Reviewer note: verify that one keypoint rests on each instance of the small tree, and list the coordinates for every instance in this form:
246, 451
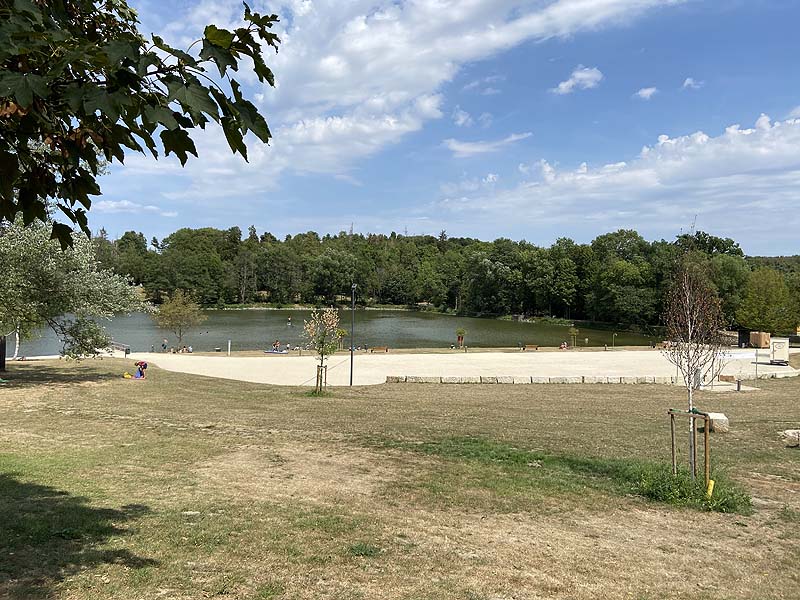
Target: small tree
322, 332
179, 313
573, 334
68, 291
694, 322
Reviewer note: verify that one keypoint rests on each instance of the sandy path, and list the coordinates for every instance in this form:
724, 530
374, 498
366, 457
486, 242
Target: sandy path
373, 369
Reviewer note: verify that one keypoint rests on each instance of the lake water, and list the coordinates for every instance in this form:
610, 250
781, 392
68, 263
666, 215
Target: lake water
258, 329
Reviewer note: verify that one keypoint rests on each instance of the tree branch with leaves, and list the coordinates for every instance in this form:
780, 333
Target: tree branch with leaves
79, 83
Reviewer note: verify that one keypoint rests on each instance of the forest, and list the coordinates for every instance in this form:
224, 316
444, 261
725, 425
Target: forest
618, 278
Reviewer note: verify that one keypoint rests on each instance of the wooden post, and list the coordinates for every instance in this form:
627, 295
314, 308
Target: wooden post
694, 446
2, 353
672, 434
707, 450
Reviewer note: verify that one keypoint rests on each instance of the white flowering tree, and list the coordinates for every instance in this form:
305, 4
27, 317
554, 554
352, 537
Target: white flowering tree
323, 334
66, 290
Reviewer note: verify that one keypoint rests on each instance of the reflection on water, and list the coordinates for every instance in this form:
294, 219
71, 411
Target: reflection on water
259, 329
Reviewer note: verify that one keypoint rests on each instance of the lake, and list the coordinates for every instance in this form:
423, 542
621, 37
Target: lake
258, 329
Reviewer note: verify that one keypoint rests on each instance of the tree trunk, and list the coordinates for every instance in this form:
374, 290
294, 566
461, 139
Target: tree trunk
16, 343
691, 431
2, 353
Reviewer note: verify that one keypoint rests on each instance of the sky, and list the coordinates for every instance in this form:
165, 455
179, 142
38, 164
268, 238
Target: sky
494, 118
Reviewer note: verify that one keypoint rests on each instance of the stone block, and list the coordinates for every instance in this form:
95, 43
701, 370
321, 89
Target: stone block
628, 379
420, 379
522, 380
566, 380
662, 380
594, 379
719, 423
395, 379
485, 379
451, 379
505, 379
791, 436
470, 380
540, 379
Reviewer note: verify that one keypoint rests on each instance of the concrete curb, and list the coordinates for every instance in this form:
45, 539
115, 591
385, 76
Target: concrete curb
560, 380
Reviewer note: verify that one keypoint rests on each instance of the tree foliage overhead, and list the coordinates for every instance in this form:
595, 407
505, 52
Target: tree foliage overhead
79, 83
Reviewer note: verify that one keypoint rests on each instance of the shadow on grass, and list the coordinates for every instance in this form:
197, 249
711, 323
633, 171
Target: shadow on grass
22, 374
47, 535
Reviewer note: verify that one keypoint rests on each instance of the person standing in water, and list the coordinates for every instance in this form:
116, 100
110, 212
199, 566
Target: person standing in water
289, 321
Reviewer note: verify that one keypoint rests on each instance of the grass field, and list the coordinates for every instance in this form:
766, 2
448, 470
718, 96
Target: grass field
189, 487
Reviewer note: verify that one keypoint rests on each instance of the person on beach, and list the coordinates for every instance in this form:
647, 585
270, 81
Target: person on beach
141, 368
164, 345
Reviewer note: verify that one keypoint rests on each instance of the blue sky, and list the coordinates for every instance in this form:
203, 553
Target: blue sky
496, 118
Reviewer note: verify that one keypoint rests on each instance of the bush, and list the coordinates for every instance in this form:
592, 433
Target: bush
659, 484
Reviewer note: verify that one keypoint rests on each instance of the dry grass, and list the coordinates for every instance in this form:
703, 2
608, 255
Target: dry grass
188, 487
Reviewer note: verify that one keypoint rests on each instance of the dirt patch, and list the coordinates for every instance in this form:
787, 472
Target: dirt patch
315, 473
624, 553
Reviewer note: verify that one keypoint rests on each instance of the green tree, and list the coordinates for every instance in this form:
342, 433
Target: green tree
178, 314
65, 290
730, 274
79, 82
767, 305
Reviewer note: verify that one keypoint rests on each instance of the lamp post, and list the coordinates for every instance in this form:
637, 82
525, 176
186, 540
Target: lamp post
613, 340
352, 328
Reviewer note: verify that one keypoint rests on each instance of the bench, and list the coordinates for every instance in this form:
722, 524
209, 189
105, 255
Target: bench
530, 347
728, 378
379, 349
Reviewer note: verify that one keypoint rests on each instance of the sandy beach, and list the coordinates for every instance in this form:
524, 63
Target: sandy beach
372, 369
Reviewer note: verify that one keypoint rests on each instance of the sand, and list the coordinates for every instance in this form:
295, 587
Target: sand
371, 369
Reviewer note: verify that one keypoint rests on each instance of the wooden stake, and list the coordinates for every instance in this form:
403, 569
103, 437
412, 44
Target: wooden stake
672, 435
707, 449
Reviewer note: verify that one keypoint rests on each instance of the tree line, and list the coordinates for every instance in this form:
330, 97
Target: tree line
618, 277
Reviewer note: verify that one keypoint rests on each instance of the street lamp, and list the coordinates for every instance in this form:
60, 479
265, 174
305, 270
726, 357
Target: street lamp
352, 328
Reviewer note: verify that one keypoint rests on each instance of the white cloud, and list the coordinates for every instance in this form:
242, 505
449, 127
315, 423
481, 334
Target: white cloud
466, 149
692, 84
126, 206
582, 78
795, 113
490, 178
483, 85
486, 119
461, 117
742, 182
346, 70
646, 93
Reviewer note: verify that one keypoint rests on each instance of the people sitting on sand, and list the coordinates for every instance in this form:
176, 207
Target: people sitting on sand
189, 350
563, 346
